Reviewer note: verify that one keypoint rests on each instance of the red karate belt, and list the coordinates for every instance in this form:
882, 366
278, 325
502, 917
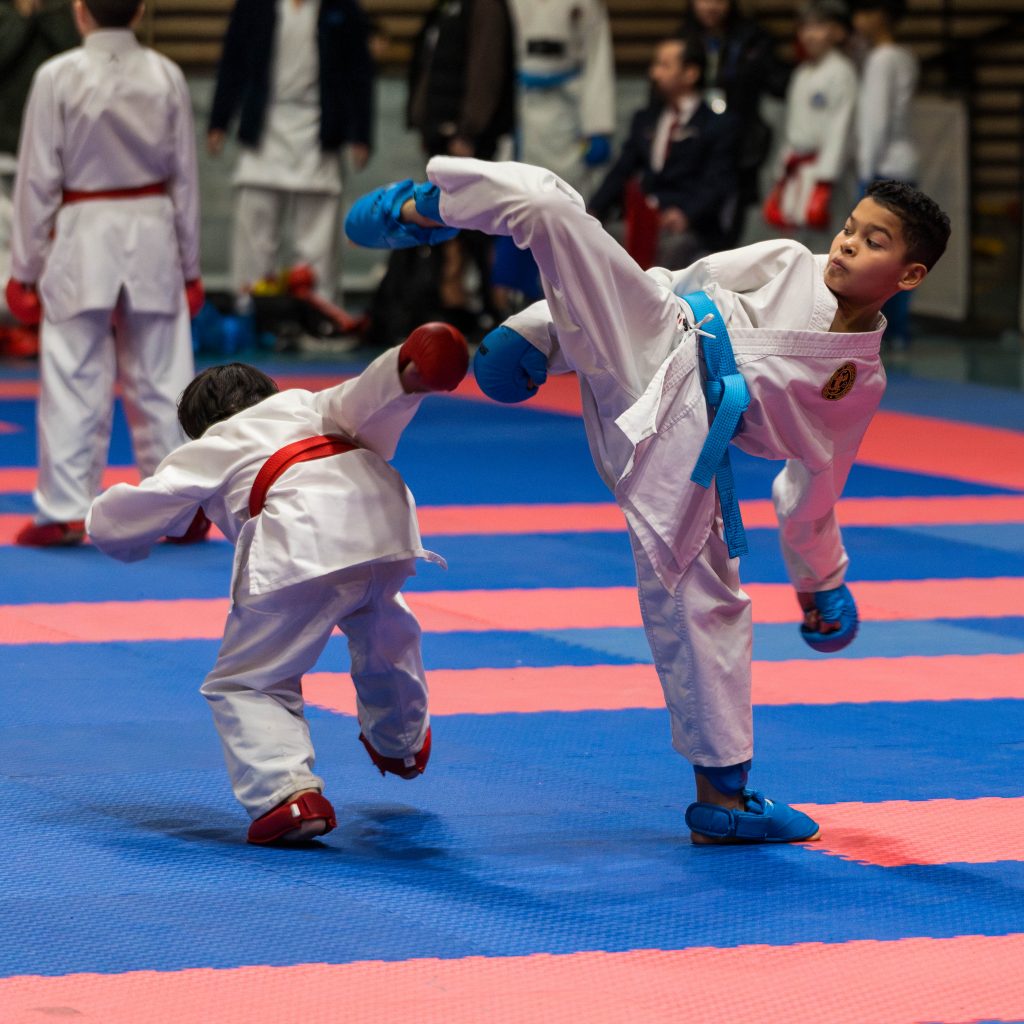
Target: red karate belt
157, 188
319, 447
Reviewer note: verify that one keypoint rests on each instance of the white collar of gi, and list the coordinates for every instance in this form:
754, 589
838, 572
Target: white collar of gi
111, 40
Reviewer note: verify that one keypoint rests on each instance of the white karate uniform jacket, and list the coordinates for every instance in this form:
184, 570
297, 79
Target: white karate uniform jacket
320, 516
778, 311
110, 114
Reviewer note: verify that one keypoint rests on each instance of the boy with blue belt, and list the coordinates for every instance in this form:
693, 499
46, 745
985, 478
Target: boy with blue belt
784, 343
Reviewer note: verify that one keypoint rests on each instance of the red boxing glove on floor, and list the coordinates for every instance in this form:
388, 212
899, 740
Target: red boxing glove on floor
440, 354
817, 205
23, 302
195, 296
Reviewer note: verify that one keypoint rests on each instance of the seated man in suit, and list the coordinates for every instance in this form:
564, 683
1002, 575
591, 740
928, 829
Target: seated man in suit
676, 176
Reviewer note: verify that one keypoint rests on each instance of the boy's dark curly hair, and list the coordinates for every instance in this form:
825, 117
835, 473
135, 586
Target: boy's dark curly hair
113, 13
219, 392
925, 226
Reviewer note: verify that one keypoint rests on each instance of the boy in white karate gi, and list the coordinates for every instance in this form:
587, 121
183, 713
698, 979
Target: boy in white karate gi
326, 535
106, 236
653, 358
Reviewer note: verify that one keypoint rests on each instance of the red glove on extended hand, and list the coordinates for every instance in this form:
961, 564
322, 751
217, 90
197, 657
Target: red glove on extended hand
194, 296
818, 204
440, 354
23, 302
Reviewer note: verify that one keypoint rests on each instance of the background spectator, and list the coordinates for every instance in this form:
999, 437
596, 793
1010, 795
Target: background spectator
31, 31
741, 68
814, 158
300, 76
885, 148
566, 73
461, 101
684, 155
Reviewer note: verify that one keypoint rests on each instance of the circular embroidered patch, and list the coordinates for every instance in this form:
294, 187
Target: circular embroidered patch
840, 383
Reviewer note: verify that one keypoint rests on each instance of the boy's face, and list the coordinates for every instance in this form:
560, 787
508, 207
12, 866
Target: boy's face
672, 79
818, 37
868, 258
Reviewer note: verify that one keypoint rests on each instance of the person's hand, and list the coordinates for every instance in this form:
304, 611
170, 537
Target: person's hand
214, 141
195, 296
598, 150
673, 221
818, 204
23, 302
458, 146
26, 8
813, 621
358, 155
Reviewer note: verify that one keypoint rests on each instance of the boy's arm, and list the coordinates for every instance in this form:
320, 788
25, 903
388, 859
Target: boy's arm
183, 185
597, 84
372, 409
40, 177
231, 69
809, 534
876, 92
610, 192
126, 520
842, 104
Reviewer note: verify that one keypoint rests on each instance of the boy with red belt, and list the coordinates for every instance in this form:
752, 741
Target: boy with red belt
106, 254
326, 535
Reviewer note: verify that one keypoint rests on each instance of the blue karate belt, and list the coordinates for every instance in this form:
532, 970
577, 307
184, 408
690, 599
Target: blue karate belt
727, 394
551, 80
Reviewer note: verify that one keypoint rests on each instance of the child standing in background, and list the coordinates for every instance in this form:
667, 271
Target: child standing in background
820, 104
106, 254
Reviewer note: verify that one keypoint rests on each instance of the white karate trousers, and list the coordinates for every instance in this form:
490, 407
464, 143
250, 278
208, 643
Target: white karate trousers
147, 355
615, 326
261, 215
255, 688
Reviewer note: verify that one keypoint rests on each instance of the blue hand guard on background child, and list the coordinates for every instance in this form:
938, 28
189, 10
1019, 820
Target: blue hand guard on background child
507, 367
835, 605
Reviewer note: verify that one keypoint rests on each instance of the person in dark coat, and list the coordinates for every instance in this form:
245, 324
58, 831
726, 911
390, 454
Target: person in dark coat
742, 67
677, 168
300, 78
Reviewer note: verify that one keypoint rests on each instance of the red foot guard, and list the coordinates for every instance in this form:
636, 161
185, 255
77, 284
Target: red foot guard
51, 535
289, 817
405, 768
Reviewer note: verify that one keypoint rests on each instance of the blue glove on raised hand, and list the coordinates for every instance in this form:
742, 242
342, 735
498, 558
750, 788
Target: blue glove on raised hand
507, 367
598, 151
835, 605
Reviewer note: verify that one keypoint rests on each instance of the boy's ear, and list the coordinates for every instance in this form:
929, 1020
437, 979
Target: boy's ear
913, 275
